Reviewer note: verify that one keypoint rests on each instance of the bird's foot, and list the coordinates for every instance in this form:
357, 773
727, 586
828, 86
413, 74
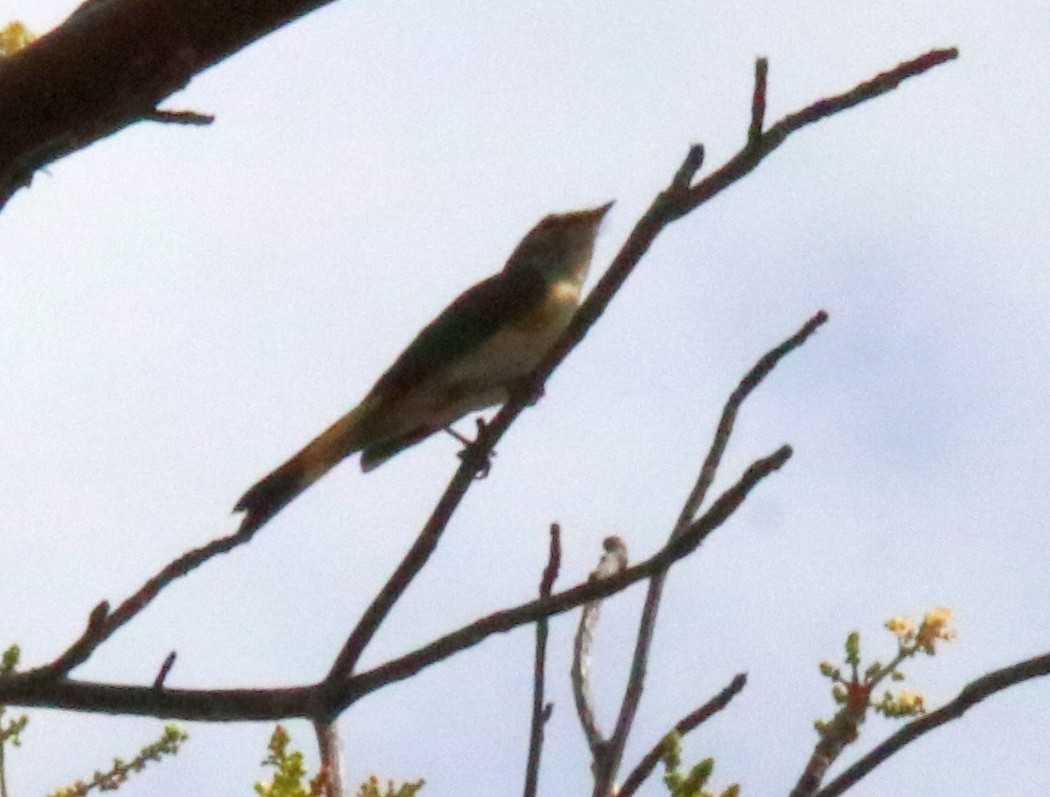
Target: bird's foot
468, 446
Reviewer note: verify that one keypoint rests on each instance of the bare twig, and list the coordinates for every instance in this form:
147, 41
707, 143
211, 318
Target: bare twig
751, 380
758, 102
541, 711
104, 624
78, 652
178, 117
165, 668
331, 751
972, 694
612, 561
606, 773
683, 726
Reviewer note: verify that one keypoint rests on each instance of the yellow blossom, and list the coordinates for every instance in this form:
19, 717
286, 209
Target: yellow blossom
911, 702
935, 627
13, 38
900, 627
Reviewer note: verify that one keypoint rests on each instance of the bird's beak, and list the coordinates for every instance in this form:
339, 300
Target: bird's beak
600, 212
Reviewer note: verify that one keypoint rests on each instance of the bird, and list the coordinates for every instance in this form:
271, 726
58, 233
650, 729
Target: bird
469, 358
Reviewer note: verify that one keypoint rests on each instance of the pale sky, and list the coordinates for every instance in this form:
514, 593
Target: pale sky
183, 308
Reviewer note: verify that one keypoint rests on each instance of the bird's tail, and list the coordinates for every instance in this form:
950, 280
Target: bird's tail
275, 491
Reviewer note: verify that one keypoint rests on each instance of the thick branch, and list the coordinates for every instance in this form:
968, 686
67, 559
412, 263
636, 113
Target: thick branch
110, 64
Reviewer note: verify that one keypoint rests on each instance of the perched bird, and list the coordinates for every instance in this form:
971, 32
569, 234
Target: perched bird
466, 359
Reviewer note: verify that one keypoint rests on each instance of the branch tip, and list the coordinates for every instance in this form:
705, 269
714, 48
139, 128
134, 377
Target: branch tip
178, 117
165, 668
691, 164
758, 102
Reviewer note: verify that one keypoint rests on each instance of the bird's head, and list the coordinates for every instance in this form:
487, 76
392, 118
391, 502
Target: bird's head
560, 246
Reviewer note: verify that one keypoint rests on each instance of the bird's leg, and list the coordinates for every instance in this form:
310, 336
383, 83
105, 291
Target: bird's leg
483, 471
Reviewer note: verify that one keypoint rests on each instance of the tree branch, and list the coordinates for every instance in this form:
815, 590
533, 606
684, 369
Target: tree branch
687, 723
331, 753
109, 65
610, 763
541, 712
319, 701
506, 620
673, 203
102, 624
678, 200
972, 694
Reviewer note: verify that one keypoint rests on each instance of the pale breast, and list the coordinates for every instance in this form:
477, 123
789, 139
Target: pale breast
479, 379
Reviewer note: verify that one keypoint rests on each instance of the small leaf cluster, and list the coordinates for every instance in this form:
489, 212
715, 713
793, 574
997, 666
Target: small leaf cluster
691, 784
853, 692
11, 729
117, 775
290, 776
371, 788
290, 770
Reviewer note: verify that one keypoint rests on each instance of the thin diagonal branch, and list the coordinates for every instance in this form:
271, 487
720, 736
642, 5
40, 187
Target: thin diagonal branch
103, 624
647, 624
541, 711
687, 723
759, 371
972, 694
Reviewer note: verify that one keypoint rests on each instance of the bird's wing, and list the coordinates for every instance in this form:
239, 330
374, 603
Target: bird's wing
472, 318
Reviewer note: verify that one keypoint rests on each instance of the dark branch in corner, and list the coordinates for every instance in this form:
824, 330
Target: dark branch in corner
93, 75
